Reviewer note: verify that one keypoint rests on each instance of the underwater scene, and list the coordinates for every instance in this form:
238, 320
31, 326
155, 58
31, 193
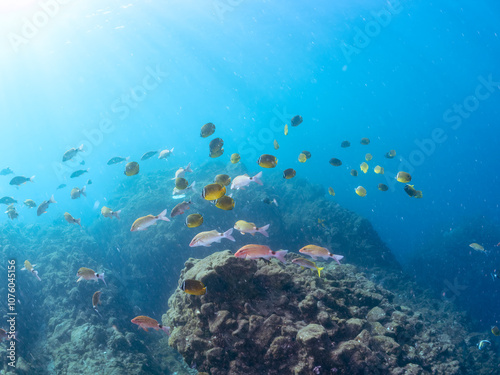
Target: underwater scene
254, 187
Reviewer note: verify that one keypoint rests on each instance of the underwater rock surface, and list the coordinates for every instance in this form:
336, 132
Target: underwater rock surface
269, 318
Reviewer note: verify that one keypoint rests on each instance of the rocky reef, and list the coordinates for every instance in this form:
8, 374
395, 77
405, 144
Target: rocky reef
256, 318
268, 318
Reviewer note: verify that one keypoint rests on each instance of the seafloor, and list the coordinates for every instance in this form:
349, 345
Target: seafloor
363, 317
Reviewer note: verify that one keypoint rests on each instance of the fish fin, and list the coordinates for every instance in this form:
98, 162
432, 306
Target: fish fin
83, 191
101, 276
188, 168
243, 233
117, 214
162, 216
337, 258
32, 178
24, 269
166, 329
144, 328
79, 279
227, 234
78, 221
319, 270
263, 230
280, 255
52, 200
81, 147
257, 177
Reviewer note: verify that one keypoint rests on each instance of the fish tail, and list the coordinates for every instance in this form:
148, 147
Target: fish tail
163, 215
83, 191
192, 186
36, 275
52, 200
172, 149
257, 177
263, 230
32, 178
165, 329
188, 168
337, 258
101, 276
275, 202
117, 214
98, 313
227, 234
81, 147
319, 270
280, 255
78, 221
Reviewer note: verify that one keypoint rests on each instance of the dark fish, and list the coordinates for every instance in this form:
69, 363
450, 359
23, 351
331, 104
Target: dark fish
267, 161
215, 145
116, 160
180, 208
148, 154
89, 182
7, 200
78, 173
390, 154
75, 192
267, 200
495, 331
44, 205
412, 192
96, 300
12, 212
181, 183
225, 203
131, 168
71, 153
335, 162
193, 287
296, 120
61, 186
19, 180
6, 171
365, 141
307, 154
82, 162
216, 154
289, 173
222, 179
383, 187
207, 130
345, 144
354, 172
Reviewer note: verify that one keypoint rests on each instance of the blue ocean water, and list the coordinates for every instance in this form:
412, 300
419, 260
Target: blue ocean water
124, 78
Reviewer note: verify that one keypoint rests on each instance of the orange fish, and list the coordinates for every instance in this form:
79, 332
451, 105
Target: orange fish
260, 251
316, 252
146, 322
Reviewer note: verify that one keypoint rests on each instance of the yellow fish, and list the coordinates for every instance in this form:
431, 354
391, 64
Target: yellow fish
361, 191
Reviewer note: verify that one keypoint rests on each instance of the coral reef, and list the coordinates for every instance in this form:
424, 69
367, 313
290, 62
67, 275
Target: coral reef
267, 318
